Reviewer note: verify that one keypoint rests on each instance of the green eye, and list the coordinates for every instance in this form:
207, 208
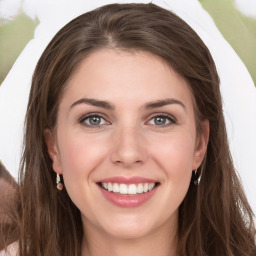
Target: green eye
93, 121
162, 120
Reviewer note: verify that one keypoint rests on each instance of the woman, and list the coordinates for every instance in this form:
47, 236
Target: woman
126, 150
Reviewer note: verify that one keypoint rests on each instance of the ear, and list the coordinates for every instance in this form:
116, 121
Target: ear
201, 144
53, 152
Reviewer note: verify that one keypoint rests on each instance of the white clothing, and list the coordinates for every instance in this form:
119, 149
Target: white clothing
12, 250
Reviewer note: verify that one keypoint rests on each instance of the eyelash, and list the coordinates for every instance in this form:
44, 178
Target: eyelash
170, 118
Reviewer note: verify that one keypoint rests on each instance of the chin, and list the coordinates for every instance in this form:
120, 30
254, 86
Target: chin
128, 232
128, 229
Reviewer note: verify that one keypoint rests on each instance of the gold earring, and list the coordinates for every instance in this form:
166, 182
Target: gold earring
197, 178
59, 184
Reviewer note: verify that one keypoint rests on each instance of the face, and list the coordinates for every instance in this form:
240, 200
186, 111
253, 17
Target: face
126, 143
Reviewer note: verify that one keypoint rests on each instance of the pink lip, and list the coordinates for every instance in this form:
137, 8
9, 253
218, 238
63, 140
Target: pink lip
127, 180
128, 201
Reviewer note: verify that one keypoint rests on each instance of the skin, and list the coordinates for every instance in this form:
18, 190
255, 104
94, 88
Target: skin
128, 142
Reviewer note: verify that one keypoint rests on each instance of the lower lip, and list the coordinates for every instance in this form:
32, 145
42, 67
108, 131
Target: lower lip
128, 201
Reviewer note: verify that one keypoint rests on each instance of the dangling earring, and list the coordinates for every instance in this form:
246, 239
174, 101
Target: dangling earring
197, 178
59, 184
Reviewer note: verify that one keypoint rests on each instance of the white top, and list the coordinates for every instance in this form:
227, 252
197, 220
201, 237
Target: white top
12, 250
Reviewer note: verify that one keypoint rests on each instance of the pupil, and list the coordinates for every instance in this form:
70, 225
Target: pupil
160, 120
94, 120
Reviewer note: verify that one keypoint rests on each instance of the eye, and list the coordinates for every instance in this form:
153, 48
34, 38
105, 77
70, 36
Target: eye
162, 120
93, 120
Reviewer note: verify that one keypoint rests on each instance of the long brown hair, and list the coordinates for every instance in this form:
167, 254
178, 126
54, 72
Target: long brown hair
214, 218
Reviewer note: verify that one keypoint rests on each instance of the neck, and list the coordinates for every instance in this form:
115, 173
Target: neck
98, 243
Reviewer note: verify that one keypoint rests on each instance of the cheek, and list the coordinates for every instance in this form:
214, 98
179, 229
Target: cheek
80, 156
175, 158
177, 164
175, 154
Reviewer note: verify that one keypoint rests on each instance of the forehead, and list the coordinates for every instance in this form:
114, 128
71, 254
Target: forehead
126, 75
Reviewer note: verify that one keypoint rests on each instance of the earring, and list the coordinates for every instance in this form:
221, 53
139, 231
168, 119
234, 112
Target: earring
197, 178
59, 184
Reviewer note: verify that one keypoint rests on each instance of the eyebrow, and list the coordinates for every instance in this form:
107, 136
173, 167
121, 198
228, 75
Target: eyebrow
109, 106
94, 102
164, 102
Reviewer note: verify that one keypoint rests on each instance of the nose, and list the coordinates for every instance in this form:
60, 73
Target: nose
128, 148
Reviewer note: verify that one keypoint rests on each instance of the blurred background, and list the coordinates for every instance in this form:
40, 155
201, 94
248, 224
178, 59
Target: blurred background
236, 20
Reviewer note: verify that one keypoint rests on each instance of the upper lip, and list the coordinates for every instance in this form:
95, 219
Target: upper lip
127, 180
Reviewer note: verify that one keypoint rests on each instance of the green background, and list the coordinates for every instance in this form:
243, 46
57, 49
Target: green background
239, 31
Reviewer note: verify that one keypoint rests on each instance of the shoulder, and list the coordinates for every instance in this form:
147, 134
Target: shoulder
12, 250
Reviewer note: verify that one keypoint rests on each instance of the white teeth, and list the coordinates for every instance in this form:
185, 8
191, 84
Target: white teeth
105, 185
145, 189
140, 188
123, 189
151, 186
116, 188
131, 189
110, 187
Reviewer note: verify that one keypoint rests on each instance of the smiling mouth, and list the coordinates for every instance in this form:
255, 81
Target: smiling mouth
128, 189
